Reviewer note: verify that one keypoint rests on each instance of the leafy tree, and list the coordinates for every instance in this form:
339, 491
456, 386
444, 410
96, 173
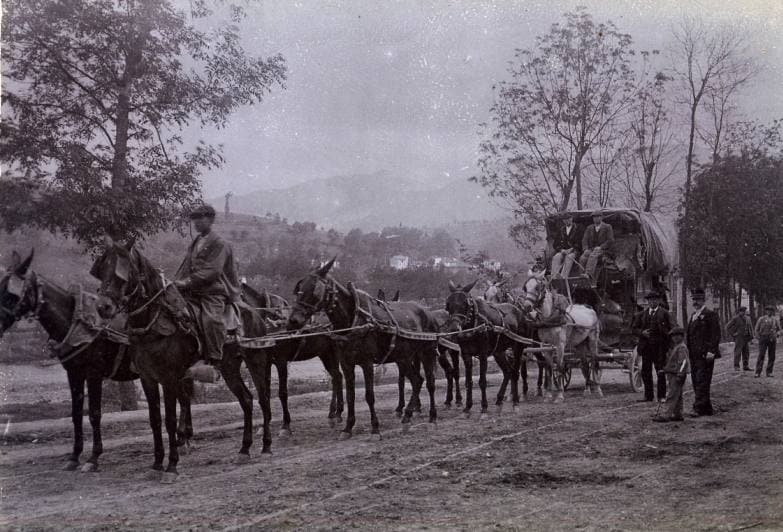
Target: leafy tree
561, 99
96, 94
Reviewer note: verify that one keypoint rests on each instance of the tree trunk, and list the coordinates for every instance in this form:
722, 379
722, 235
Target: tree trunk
577, 173
685, 214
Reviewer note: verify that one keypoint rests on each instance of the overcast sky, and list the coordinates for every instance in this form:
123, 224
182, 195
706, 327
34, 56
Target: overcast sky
402, 86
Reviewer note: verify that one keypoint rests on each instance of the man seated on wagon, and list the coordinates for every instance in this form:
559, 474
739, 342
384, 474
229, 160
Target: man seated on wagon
596, 241
568, 245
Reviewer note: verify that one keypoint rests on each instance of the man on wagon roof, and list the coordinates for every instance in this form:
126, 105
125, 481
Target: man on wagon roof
208, 280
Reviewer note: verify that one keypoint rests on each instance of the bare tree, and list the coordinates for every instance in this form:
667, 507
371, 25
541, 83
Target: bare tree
561, 98
649, 163
703, 59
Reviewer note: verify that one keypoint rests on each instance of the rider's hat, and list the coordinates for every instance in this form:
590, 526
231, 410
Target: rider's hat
698, 293
597, 212
202, 211
652, 294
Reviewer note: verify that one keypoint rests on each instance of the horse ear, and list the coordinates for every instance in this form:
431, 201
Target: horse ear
469, 287
16, 260
130, 242
297, 287
21, 269
381, 294
452, 286
396, 296
323, 270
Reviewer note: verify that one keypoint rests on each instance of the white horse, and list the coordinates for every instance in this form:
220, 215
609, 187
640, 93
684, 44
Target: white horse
580, 333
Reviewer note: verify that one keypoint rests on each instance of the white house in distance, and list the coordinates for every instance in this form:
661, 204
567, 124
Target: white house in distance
491, 265
400, 262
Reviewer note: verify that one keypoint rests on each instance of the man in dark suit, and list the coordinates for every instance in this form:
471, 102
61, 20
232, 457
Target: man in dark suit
703, 337
568, 246
595, 242
651, 326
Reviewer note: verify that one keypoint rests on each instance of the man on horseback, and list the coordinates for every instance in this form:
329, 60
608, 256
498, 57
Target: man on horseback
208, 280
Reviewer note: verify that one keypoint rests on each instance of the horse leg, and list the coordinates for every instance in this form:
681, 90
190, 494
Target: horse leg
455, 367
586, 370
483, 382
416, 381
282, 393
400, 390
416, 397
449, 372
332, 366
264, 399
593, 345
467, 359
429, 375
94, 392
185, 426
152, 394
350, 396
76, 384
369, 396
502, 361
229, 369
515, 363
170, 393
540, 382
523, 375
558, 374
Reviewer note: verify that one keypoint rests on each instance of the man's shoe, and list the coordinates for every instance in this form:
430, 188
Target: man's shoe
677, 418
694, 414
746, 368
769, 375
661, 419
757, 375
645, 400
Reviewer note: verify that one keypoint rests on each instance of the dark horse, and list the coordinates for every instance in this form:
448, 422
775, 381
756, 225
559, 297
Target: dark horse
348, 308
466, 313
165, 345
23, 293
275, 307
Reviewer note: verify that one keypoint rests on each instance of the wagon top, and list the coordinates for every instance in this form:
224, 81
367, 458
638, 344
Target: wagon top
656, 233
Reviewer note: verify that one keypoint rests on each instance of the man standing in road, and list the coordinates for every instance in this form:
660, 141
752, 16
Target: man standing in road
703, 339
767, 331
741, 329
651, 326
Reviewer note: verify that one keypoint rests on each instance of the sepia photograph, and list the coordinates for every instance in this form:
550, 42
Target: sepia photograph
468, 265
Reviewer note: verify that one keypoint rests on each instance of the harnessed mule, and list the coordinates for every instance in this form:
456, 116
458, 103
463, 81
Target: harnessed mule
467, 313
165, 344
275, 307
24, 293
579, 331
365, 344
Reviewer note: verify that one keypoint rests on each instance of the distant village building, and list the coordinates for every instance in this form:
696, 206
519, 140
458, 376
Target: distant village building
399, 262
450, 264
491, 265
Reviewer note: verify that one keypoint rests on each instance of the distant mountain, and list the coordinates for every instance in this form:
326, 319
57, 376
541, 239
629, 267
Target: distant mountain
370, 202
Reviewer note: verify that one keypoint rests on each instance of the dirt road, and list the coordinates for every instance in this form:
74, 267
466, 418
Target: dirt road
589, 464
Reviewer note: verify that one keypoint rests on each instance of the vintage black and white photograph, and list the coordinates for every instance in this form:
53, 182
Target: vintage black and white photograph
391, 265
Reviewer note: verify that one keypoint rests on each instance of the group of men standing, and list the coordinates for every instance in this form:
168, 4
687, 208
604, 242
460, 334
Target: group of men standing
767, 330
674, 352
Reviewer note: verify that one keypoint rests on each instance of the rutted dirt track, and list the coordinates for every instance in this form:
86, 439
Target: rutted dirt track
591, 464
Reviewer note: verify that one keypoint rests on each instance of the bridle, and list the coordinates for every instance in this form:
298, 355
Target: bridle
536, 296
325, 301
16, 313
465, 320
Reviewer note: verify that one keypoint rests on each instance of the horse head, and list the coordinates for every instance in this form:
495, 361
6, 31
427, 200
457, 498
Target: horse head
460, 306
18, 294
313, 293
534, 290
117, 272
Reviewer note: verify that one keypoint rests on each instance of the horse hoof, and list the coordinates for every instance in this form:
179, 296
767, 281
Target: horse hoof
344, 436
483, 416
398, 413
459, 402
499, 409
71, 465
515, 409
332, 423
375, 436
586, 393
466, 415
168, 478
599, 393
89, 467
447, 406
559, 399
153, 474
406, 427
285, 433
242, 458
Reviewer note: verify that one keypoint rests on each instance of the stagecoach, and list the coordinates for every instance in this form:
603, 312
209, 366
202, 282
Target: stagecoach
643, 257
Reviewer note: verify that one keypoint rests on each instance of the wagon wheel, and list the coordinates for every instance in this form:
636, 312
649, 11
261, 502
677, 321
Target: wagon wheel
566, 377
635, 372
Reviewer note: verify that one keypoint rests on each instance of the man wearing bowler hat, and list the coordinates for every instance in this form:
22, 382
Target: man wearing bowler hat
208, 280
595, 242
703, 338
741, 329
651, 326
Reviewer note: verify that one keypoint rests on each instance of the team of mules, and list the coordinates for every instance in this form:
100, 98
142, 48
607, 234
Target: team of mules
163, 343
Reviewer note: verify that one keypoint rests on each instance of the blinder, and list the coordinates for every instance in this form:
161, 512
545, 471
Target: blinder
15, 285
